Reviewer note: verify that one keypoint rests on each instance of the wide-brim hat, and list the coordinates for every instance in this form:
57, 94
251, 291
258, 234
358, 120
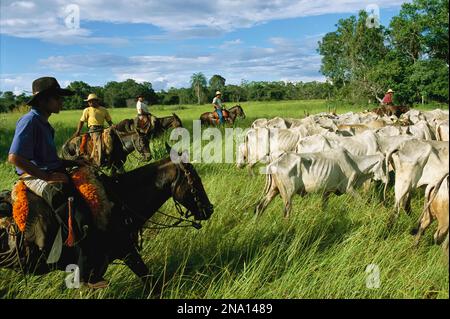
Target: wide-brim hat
91, 97
218, 92
390, 91
47, 86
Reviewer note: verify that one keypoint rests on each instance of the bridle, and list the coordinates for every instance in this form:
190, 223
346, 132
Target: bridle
193, 190
183, 215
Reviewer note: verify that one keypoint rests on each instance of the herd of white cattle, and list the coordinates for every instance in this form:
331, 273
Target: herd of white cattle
328, 153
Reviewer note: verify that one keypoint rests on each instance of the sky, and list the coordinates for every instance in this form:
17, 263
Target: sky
165, 42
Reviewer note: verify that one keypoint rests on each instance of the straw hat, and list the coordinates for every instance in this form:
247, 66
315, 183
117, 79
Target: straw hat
218, 92
390, 91
92, 96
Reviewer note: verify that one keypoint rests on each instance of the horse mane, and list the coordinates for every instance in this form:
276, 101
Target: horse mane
145, 172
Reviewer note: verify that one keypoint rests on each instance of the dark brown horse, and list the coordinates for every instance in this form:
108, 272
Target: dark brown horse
390, 110
152, 128
119, 146
211, 118
137, 195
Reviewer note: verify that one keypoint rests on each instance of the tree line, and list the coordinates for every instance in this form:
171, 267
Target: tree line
119, 94
363, 59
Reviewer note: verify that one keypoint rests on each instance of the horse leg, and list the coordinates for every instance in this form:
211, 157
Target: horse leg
134, 261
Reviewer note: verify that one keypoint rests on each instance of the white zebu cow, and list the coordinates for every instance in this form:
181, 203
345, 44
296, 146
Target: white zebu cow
309, 130
276, 122
362, 144
421, 130
436, 207
330, 172
416, 163
442, 133
262, 122
263, 144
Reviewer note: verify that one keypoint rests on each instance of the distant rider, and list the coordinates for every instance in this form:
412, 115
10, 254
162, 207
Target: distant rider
218, 106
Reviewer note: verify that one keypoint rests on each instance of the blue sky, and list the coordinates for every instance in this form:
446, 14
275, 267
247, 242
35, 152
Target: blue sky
165, 42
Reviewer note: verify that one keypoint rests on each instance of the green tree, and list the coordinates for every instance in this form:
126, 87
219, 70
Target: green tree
216, 83
198, 84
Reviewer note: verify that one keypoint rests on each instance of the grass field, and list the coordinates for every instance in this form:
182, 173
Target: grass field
315, 254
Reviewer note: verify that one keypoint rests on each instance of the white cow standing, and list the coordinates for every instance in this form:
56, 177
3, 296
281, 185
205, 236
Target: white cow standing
329, 172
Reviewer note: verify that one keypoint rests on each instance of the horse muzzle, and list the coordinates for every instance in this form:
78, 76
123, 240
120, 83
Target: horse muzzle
207, 212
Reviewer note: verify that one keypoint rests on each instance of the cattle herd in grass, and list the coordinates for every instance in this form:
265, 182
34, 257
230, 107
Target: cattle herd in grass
335, 154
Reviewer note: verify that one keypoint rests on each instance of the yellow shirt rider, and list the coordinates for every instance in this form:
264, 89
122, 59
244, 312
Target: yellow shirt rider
95, 116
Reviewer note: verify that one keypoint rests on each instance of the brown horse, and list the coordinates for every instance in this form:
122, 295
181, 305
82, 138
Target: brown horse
121, 144
211, 118
153, 128
137, 195
390, 110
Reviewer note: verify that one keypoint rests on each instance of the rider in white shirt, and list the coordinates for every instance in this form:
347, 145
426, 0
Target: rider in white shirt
141, 107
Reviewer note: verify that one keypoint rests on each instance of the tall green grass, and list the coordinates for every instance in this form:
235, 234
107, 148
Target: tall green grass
316, 253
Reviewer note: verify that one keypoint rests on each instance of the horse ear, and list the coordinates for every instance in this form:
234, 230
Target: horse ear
168, 148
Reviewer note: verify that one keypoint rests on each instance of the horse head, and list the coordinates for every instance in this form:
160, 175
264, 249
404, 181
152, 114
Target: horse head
187, 189
135, 141
239, 111
176, 121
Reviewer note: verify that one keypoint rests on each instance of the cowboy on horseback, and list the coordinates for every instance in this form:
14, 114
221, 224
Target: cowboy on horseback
95, 116
219, 107
144, 121
388, 98
33, 152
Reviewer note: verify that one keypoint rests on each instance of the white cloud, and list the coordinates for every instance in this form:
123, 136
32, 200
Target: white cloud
198, 18
284, 59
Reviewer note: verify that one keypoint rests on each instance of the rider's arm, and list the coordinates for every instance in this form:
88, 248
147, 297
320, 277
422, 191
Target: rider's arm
28, 167
108, 118
80, 126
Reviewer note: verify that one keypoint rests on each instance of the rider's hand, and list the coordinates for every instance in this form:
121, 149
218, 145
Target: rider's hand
57, 178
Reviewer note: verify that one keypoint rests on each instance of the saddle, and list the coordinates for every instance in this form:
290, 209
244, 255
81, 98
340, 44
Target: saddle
144, 123
225, 115
16, 207
86, 144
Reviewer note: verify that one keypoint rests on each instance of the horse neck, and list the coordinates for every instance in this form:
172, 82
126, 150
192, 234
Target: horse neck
168, 121
127, 141
147, 188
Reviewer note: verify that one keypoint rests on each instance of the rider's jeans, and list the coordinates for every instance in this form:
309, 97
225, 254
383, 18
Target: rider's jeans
219, 112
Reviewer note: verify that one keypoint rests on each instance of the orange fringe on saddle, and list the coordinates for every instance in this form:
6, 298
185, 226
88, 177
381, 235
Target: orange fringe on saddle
94, 195
20, 206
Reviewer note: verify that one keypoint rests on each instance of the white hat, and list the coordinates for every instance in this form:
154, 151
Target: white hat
390, 91
218, 92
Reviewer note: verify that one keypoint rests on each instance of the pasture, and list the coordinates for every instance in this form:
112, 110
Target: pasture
314, 254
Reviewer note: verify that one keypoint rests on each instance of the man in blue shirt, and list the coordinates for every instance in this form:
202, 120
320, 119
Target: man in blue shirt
33, 152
